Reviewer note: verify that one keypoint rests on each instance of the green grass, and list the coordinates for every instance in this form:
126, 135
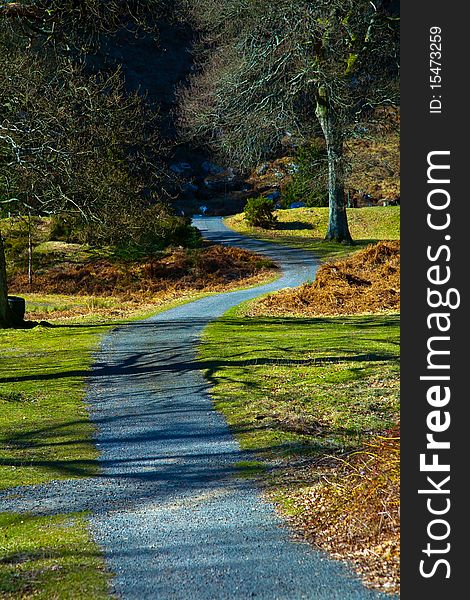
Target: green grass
306, 228
54, 303
290, 386
47, 253
45, 432
50, 558
84, 308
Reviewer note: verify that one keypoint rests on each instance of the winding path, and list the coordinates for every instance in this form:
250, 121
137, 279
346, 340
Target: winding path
173, 521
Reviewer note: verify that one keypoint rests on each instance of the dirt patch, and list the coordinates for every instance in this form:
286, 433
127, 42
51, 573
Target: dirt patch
367, 282
208, 269
352, 509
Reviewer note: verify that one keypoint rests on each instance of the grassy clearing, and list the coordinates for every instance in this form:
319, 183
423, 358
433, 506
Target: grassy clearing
44, 428
50, 558
291, 386
95, 310
306, 228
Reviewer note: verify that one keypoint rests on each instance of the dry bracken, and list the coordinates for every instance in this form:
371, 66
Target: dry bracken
368, 282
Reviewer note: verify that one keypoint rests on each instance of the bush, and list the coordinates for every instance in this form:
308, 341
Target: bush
154, 228
143, 231
259, 212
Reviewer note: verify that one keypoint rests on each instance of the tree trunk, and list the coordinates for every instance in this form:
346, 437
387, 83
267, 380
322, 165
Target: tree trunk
5, 314
30, 253
338, 229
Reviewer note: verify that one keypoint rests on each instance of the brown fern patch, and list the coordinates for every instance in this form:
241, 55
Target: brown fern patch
367, 282
213, 268
350, 507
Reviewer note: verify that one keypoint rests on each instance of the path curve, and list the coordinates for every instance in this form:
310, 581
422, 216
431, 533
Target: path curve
173, 521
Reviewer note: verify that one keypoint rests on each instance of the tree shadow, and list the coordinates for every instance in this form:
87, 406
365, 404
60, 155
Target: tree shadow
178, 358
293, 226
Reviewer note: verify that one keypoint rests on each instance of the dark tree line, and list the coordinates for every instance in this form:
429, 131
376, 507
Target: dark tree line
77, 144
73, 143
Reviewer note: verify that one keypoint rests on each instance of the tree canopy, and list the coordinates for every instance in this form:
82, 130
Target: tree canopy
76, 142
264, 66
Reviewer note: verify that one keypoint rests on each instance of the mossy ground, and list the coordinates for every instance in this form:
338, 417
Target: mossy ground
300, 386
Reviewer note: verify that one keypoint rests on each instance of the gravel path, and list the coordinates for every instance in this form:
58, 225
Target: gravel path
173, 520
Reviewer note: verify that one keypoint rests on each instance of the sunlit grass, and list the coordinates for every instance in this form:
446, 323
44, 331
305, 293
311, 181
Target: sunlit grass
44, 427
50, 557
306, 228
297, 385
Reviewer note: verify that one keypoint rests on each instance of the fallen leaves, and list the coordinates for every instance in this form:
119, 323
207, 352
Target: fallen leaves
349, 506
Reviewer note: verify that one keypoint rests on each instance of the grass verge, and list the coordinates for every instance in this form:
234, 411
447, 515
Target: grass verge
303, 394
44, 428
306, 228
292, 386
49, 558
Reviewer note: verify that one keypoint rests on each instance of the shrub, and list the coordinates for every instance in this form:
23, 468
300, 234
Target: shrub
259, 212
153, 228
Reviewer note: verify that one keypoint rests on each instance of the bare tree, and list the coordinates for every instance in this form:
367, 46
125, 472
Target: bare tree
5, 315
71, 142
81, 20
271, 67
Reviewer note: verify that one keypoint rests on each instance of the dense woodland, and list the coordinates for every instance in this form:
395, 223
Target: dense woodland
79, 143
